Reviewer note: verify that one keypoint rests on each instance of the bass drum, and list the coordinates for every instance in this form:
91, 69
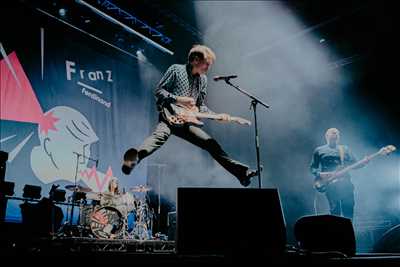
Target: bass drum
107, 222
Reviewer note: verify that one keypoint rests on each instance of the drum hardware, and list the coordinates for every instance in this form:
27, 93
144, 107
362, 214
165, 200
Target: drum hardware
105, 215
78, 188
144, 220
69, 228
140, 188
78, 198
107, 222
160, 171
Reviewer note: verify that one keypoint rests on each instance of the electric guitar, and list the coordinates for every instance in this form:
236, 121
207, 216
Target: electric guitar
179, 115
321, 183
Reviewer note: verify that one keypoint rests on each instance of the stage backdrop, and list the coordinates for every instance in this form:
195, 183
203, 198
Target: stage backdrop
70, 107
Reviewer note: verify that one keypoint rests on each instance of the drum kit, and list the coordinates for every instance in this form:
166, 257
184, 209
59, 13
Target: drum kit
111, 216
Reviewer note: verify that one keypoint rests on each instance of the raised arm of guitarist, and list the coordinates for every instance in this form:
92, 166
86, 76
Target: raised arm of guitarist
326, 162
186, 85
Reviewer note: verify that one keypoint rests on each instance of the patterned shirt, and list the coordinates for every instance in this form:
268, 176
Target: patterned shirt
179, 81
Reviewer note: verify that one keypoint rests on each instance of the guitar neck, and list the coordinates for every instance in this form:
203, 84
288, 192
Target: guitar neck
354, 165
206, 115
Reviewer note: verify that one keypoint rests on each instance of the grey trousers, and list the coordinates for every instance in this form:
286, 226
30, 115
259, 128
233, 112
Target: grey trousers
196, 136
341, 199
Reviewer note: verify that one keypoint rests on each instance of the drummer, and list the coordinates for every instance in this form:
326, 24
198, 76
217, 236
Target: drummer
113, 187
123, 201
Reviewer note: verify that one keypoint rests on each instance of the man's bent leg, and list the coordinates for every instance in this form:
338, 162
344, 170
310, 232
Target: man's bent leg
133, 156
200, 138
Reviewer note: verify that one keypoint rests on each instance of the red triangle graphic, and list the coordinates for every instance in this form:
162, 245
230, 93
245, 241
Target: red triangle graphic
18, 101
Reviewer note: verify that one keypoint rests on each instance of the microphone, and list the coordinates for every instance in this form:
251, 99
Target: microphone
85, 157
227, 77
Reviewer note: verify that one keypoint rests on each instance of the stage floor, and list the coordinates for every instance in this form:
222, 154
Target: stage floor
20, 246
155, 252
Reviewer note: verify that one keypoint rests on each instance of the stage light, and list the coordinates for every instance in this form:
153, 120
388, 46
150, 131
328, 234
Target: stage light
62, 12
140, 54
3, 160
3, 156
86, 19
6, 188
57, 195
32, 191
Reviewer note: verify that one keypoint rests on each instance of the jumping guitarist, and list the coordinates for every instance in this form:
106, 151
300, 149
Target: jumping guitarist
185, 87
326, 160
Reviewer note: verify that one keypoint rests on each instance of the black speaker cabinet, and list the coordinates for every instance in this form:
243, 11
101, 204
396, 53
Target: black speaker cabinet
389, 242
3, 160
234, 221
326, 233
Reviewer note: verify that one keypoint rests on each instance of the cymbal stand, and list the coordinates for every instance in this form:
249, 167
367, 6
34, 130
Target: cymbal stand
69, 222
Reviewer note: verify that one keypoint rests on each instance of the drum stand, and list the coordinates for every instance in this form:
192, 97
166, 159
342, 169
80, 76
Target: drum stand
68, 228
68, 225
125, 231
140, 230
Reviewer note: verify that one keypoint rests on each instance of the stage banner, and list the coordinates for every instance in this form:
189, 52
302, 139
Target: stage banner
70, 107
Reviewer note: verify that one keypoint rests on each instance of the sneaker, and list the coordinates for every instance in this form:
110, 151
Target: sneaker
250, 174
130, 161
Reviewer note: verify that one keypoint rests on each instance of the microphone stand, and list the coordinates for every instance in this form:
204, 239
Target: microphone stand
254, 102
85, 157
160, 174
75, 182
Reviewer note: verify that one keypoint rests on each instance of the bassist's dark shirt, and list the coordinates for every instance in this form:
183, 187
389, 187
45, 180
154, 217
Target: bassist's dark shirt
327, 159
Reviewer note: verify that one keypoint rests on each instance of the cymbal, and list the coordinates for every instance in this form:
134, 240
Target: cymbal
140, 188
100, 195
107, 194
77, 188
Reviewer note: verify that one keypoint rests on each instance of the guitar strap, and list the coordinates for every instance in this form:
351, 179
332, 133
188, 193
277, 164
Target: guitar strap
341, 154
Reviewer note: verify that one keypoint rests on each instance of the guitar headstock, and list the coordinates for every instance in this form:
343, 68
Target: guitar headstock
241, 121
387, 150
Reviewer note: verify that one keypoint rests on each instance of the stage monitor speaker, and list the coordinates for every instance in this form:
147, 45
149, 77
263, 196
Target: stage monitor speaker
171, 223
229, 221
389, 242
326, 233
3, 160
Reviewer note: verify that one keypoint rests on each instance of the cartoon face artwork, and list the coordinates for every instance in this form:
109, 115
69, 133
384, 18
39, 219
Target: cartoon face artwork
63, 151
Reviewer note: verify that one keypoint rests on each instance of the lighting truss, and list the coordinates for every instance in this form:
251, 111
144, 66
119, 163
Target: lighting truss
122, 14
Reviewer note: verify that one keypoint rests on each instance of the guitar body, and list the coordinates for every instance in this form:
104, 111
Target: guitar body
179, 116
321, 184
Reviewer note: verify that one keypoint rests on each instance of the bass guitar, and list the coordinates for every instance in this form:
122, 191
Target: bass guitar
321, 183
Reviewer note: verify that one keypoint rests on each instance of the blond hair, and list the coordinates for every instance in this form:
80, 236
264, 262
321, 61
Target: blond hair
109, 185
201, 52
331, 130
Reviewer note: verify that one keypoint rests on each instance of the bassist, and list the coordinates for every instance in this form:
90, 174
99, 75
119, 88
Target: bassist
325, 161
